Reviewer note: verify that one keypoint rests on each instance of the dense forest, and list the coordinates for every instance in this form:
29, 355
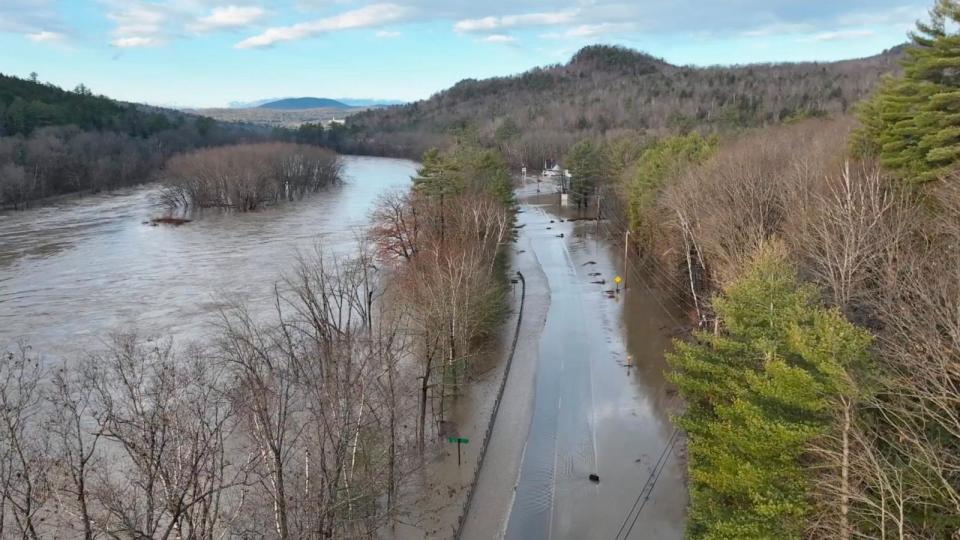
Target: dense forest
604, 91
55, 141
818, 262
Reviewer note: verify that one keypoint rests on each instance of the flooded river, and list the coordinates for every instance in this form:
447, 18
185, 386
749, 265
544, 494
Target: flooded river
73, 271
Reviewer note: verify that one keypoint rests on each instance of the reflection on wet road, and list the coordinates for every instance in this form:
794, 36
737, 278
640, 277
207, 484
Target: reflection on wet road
72, 271
592, 413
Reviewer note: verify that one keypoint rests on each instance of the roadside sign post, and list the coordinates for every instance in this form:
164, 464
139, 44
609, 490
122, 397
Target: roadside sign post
459, 441
618, 280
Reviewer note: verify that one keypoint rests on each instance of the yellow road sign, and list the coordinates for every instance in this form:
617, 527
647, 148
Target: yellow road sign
617, 280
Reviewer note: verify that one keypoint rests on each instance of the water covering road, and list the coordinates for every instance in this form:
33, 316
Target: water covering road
73, 271
593, 400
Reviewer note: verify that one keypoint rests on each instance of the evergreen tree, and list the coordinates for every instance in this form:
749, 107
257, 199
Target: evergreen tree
438, 175
666, 158
913, 121
758, 393
466, 168
588, 167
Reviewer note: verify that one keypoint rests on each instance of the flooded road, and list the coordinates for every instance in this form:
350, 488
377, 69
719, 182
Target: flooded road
596, 401
75, 270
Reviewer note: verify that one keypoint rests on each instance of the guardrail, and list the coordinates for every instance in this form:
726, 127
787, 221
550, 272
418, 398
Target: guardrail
493, 415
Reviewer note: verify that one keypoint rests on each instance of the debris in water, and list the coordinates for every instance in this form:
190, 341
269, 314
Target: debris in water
589, 262
169, 221
548, 228
594, 478
560, 235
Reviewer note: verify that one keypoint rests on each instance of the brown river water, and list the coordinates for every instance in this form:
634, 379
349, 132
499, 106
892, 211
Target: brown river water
75, 270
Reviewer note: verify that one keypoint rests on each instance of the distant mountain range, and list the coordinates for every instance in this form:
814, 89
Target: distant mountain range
304, 103
348, 102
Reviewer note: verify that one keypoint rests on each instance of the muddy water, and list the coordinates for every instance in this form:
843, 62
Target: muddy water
76, 270
600, 399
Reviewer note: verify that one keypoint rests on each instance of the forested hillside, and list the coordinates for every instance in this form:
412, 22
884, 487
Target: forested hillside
54, 141
604, 90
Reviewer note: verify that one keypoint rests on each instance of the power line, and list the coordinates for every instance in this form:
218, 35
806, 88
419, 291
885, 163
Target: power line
651, 482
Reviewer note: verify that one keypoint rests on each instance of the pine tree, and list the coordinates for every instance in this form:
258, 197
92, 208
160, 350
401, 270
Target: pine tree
758, 393
438, 175
588, 167
667, 158
913, 121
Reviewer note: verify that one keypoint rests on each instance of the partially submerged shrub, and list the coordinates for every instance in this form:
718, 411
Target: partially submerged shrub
247, 176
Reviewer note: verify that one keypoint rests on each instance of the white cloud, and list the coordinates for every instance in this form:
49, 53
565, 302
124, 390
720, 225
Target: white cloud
499, 38
365, 17
45, 36
135, 41
591, 31
896, 16
139, 24
387, 34
486, 24
842, 35
227, 18
28, 16
598, 30
777, 29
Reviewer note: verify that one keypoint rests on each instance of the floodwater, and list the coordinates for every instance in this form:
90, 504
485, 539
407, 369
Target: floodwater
74, 271
600, 401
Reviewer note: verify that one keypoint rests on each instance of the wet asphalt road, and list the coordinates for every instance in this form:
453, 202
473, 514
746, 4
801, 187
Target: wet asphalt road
598, 399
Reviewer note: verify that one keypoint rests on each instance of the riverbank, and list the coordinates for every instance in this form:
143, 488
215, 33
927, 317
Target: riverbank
434, 499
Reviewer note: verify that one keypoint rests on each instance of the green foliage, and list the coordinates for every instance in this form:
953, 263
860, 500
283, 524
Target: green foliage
438, 175
506, 131
30, 105
758, 393
913, 121
589, 167
621, 59
625, 150
662, 161
466, 168
54, 141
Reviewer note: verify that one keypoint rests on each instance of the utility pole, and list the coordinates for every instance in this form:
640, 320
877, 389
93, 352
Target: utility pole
626, 254
598, 212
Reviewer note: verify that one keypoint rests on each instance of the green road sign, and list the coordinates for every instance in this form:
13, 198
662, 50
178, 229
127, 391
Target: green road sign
462, 440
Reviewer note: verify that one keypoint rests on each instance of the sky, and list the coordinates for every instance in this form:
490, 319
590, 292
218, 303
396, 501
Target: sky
209, 53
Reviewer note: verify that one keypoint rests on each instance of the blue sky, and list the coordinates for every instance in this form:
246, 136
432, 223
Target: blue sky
211, 52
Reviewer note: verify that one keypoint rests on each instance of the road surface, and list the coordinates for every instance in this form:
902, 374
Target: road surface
585, 396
